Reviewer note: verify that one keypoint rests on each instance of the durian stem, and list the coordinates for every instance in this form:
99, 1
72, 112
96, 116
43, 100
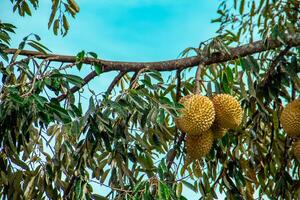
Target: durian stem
197, 79
178, 95
178, 86
176, 147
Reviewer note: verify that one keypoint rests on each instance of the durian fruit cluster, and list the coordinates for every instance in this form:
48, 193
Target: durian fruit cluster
290, 121
204, 119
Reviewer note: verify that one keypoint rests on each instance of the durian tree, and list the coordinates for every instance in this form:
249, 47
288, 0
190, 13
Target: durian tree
225, 129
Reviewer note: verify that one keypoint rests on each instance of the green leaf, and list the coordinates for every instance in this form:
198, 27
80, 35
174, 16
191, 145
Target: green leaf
29, 188
179, 189
78, 190
76, 80
161, 116
229, 74
26, 8
98, 197
104, 175
242, 5
79, 58
37, 47
61, 113
73, 5
53, 12
163, 191
138, 186
93, 54
19, 162
65, 25
98, 69
189, 185
156, 75
56, 26
17, 99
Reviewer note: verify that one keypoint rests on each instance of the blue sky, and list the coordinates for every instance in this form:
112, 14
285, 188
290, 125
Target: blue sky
126, 30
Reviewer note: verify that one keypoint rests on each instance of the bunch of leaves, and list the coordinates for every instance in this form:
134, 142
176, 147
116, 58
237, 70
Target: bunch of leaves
242, 21
5, 30
58, 17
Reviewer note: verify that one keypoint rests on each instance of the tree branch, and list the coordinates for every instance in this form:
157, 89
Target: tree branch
241, 51
114, 82
273, 65
74, 89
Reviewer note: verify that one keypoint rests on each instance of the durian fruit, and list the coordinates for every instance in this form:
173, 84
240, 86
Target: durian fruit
198, 146
197, 116
290, 118
218, 131
296, 149
228, 110
178, 121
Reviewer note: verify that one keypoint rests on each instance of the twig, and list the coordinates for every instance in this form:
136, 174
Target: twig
272, 67
176, 145
178, 86
113, 188
114, 82
173, 155
135, 78
20, 61
222, 173
35, 77
197, 79
68, 190
74, 89
178, 95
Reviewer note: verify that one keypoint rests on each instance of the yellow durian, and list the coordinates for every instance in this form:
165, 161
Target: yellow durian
228, 110
290, 118
197, 116
198, 146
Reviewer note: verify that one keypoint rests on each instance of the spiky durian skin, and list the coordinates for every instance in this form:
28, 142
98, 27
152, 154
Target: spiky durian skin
199, 145
178, 121
218, 131
290, 118
228, 110
197, 116
296, 149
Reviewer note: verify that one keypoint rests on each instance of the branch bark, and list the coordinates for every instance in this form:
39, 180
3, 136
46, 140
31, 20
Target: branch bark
241, 51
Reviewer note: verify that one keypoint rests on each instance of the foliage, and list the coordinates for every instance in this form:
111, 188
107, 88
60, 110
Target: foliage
54, 149
58, 17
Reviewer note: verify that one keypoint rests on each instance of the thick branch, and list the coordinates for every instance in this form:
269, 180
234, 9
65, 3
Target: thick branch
244, 50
